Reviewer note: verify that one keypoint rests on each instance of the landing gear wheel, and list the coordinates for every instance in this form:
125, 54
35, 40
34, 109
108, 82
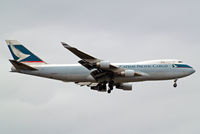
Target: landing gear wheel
110, 85
175, 85
109, 91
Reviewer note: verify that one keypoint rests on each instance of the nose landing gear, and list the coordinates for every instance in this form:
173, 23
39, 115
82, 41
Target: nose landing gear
175, 84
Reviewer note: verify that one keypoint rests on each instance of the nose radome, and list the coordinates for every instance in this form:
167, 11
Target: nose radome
193, 71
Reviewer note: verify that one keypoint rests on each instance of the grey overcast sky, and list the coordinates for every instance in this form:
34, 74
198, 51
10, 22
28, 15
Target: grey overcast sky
118, 31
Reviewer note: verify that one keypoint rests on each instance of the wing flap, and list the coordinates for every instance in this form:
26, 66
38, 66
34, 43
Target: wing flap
86, 64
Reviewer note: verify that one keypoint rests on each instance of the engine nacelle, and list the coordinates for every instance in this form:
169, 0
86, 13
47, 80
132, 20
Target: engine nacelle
124, 86
128, 73
103, 64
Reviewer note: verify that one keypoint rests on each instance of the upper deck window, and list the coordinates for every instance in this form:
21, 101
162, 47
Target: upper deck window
171, 61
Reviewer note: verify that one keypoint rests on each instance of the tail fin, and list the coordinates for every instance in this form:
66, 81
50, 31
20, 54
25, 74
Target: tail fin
22, 54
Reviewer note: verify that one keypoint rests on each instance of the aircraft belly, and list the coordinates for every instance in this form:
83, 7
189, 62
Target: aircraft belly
81, 74
68, 74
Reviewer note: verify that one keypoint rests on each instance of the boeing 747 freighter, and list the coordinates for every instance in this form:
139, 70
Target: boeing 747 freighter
99, 75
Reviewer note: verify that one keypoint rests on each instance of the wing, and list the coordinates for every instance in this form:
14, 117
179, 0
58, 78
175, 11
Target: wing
103, 70
89, 84
91, 62
87, 60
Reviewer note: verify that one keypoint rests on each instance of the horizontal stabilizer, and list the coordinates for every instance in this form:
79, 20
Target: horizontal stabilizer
21, 66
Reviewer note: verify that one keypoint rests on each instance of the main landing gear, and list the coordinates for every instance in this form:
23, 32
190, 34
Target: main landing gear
175, 84
110, 85
102, 87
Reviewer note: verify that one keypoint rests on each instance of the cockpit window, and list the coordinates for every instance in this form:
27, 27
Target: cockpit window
181, 66
180, 61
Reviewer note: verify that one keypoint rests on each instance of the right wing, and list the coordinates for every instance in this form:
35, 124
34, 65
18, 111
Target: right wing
89, 84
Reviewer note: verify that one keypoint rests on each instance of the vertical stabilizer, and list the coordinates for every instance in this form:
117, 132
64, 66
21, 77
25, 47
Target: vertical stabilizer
22, 54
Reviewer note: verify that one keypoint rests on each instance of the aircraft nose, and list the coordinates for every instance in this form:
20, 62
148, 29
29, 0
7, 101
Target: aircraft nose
193, 71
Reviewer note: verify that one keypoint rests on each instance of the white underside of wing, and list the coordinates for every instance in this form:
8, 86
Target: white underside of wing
89, 84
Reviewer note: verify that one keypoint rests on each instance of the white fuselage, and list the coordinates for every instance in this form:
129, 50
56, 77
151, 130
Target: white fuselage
94, 72
149, 71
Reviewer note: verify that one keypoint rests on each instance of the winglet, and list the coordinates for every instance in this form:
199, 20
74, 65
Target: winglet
78, 53
65, 45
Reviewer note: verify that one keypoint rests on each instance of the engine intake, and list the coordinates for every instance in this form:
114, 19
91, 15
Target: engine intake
128, 73
103, 64
125, 86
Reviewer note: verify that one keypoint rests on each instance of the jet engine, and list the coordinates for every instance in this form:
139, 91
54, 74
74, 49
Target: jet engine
128, 73
125, 86
103, 64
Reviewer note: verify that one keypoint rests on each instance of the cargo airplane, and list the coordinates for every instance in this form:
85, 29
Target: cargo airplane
99, 75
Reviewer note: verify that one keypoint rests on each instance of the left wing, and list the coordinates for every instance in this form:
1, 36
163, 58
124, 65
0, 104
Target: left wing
104, 70
88, 61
